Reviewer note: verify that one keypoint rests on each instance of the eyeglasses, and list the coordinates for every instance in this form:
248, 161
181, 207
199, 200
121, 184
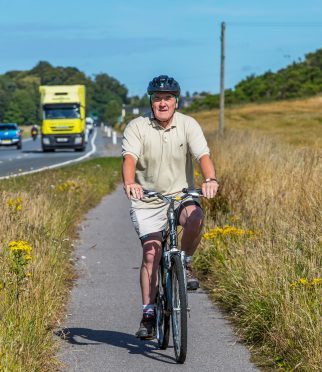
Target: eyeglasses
156, 98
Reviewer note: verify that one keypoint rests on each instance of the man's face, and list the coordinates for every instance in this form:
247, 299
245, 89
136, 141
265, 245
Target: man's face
163, 105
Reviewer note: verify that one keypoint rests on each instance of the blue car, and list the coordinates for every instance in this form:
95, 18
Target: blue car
10, 135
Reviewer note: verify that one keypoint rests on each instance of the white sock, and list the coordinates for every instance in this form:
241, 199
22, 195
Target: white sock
148, 309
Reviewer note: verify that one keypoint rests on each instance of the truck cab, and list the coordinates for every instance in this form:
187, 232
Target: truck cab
63, 117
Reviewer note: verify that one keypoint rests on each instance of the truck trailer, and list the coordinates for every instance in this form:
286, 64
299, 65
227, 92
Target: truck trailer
63, 117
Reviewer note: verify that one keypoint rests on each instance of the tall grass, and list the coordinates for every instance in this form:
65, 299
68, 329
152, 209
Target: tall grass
41, 212
261, 253
296, 122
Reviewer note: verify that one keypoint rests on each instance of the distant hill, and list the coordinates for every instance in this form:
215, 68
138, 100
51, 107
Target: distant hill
19, 96
300, 79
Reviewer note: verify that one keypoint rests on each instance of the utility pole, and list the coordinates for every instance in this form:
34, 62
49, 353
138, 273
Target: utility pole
222, 83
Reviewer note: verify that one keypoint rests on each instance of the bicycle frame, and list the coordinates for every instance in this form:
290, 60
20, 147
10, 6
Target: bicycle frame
168, 251
172, 298
172, 248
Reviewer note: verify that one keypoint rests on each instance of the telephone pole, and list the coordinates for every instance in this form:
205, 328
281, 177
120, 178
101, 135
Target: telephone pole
222, 83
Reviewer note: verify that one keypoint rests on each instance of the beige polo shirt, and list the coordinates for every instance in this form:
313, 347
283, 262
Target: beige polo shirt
164, 156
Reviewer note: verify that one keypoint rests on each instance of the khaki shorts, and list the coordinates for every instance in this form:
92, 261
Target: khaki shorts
150, 220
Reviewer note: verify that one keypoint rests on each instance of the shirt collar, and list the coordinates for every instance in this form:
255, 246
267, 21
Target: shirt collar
155, 123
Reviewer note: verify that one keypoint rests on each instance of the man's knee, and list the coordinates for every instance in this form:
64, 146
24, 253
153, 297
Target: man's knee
196, 217
193, 218
151, 247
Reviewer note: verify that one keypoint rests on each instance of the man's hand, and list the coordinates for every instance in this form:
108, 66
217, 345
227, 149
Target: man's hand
134, 190
210, 185
209, 189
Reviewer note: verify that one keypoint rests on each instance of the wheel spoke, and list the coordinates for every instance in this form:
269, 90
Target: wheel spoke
179, 310
162, 321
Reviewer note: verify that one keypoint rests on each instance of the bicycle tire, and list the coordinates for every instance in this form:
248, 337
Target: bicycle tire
179, 310
162, 317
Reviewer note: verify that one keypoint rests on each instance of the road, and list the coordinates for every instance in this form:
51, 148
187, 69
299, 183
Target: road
105, 307
31, 157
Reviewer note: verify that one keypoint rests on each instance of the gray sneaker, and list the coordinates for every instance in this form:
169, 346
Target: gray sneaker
192, 282
147, 328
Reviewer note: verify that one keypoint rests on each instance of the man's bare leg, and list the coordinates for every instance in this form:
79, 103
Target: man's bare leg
149, 280
149, 268
191, 219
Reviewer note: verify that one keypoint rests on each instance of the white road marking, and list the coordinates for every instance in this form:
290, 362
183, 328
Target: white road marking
56, 165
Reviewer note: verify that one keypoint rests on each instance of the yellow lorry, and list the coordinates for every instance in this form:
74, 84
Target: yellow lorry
63, 117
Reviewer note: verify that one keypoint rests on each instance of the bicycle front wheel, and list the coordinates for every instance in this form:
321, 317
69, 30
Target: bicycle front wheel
179, 309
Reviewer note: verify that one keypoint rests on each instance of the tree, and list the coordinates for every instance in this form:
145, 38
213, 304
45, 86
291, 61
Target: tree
19, 92
22, 108
112, 111
104, 84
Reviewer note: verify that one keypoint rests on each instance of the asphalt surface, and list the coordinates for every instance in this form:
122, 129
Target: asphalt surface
105, 307
31, 157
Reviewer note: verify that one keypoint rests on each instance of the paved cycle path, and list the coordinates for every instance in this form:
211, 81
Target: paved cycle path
105, 307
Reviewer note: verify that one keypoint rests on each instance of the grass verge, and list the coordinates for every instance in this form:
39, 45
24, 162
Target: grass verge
261, 252
295, 122
40, 213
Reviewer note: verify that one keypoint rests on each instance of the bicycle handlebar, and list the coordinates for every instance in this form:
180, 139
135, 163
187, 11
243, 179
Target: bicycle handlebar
186, 191
192, 192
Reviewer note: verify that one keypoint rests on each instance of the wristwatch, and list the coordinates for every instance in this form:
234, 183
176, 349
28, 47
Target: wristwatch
210, 179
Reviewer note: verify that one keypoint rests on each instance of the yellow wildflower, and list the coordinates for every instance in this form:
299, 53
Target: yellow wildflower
68, 185
303, 281
20, 245
316, 281
15, 204
227, 231
306, 282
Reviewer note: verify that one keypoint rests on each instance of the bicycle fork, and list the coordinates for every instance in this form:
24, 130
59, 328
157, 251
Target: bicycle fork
166, 259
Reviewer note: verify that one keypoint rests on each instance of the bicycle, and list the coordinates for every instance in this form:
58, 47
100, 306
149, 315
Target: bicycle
172, 298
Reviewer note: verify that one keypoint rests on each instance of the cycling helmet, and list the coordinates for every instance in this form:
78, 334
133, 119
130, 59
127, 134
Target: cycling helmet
164, 83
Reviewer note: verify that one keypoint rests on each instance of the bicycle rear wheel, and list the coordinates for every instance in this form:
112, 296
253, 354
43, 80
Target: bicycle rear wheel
179, 309
162, 315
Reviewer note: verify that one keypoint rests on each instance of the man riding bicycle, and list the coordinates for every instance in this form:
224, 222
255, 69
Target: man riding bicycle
158, 151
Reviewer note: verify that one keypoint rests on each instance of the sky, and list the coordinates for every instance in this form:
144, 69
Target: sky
133, 41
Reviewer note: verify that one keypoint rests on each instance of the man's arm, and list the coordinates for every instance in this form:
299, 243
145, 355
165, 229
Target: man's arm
128, 172
210, 184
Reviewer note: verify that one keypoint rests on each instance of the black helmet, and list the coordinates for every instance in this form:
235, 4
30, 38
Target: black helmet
164, 83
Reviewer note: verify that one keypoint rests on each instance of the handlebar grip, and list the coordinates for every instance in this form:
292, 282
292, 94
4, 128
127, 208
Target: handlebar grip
149, 193
188, 191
